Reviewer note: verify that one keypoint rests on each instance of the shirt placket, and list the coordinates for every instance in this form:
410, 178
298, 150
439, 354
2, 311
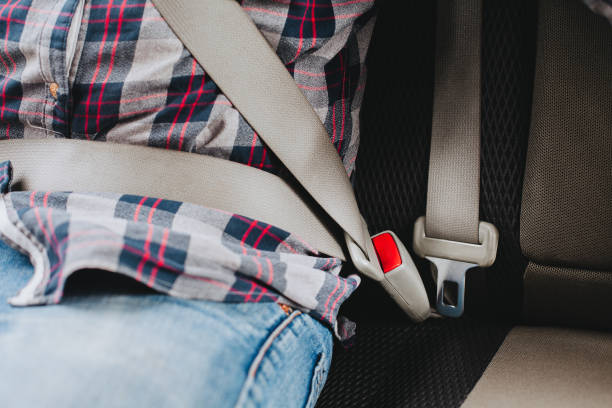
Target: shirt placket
57, 47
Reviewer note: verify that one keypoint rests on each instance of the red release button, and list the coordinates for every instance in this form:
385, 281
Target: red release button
387, 252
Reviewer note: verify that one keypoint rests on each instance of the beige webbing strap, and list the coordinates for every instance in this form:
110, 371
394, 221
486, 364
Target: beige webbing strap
454, 167
451, 234
74, 165
259, 85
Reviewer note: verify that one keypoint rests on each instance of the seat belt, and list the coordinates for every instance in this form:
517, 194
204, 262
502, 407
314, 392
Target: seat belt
232, 50
450, 234
225, 41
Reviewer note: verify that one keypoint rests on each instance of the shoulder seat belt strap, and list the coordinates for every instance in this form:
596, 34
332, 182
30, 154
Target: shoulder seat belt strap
237, 57
450, 235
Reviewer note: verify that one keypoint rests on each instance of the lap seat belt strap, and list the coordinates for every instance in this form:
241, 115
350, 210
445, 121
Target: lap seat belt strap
450, 234
77, 165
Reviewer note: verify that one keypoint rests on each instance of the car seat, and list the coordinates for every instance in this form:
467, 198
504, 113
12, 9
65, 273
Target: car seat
546, 183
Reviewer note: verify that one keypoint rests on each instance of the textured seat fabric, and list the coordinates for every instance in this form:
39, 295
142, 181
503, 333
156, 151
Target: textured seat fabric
566, 220
548, 367
567, 213
566, 225
433, 364
569, 296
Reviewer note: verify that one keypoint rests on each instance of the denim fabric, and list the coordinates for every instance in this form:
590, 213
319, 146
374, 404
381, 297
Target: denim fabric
127, 346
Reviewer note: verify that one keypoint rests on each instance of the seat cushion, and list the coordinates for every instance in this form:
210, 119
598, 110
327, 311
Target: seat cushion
548, 367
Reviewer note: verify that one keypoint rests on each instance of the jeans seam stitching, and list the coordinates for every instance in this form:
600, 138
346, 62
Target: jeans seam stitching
256, 363
315, 384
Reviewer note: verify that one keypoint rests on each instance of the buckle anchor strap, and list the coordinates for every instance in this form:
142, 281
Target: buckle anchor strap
451, 235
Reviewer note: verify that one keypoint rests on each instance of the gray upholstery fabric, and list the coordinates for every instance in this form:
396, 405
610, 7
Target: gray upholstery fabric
547, 367
575, 297
566, 224
566, 216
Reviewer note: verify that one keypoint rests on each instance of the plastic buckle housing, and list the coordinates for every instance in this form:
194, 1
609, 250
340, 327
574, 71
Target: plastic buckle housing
401, 277
452, 260
389, 262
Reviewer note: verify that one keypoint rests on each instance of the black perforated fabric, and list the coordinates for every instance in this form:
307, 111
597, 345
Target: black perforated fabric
392, 166
395, 363
508, 62
434, 364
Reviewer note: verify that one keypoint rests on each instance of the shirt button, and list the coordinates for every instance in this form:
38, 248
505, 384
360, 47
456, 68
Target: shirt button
53, 89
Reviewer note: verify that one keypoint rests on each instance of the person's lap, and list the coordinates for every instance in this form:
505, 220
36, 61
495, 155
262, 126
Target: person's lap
133, 347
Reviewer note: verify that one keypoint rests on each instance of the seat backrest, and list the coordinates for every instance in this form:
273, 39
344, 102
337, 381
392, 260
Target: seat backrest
566, 219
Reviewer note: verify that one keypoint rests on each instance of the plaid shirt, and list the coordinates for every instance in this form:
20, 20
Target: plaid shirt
112, 70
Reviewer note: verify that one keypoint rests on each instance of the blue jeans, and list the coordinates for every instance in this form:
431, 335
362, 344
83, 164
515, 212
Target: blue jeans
119, 344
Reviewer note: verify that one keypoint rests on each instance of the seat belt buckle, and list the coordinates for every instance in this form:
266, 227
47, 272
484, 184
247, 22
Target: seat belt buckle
452, 260
390, 263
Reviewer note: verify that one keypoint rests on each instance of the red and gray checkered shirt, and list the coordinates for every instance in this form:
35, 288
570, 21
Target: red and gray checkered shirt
113, 71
